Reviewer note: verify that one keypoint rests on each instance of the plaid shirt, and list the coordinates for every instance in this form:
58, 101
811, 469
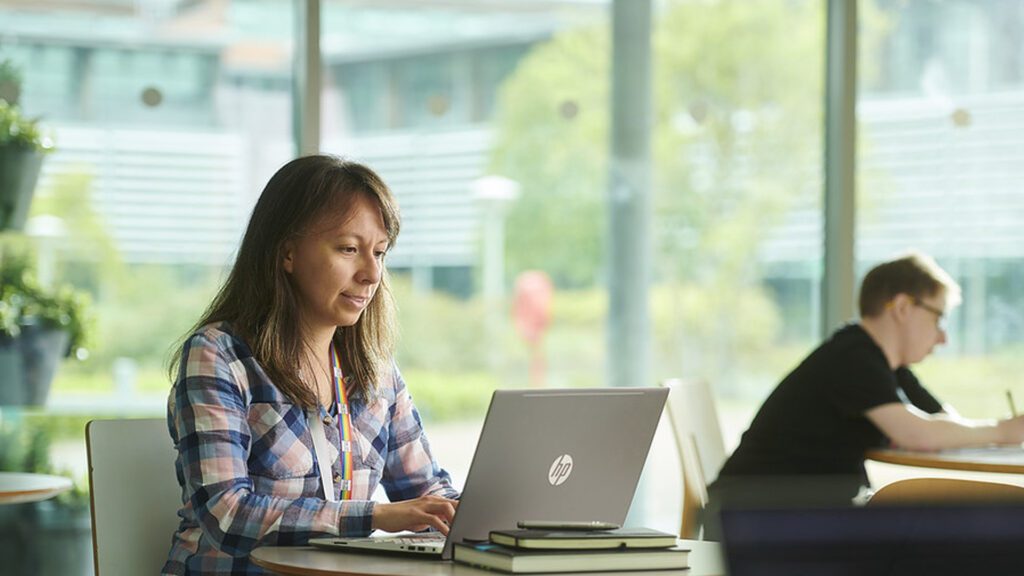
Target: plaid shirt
247, 467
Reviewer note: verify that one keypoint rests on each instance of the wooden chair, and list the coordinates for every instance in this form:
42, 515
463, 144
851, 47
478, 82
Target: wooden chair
135, 495
691, 410
928, 491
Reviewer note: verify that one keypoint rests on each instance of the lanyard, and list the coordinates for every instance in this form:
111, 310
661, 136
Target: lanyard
344, 426
344, 437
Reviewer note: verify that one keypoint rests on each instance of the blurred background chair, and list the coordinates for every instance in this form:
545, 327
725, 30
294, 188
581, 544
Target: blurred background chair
135, 495
691, 410
918, 491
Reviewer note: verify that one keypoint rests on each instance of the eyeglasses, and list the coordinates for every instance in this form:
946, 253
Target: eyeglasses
940, 315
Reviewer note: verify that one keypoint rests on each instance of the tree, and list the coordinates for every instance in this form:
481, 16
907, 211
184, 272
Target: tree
737, 139
552, 138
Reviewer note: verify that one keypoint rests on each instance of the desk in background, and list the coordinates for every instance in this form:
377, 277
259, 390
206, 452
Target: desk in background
999, 459
19, 487
705, 560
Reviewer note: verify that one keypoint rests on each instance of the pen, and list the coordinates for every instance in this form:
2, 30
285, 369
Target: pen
1013, 407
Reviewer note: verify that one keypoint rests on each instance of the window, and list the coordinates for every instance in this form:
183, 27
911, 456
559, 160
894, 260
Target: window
523, 96
168, 119
941, 97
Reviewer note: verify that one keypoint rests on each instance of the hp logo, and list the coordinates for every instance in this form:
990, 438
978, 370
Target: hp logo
560, 470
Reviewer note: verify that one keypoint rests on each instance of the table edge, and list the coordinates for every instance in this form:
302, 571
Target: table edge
293, 571
925, 461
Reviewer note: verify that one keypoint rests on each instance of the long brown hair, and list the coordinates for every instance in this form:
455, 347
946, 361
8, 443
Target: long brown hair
259, 301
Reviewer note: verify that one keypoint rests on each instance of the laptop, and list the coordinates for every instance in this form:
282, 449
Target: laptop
570, 455
890, 540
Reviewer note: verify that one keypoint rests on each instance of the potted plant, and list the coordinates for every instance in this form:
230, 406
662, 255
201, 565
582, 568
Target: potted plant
38, 327
22, 147
47, 538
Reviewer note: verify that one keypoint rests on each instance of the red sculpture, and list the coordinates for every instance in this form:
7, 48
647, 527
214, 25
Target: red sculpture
531, 314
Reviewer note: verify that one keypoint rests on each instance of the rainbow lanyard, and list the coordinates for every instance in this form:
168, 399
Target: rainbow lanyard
344, 427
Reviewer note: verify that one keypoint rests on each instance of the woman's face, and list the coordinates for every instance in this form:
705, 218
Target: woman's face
336, 266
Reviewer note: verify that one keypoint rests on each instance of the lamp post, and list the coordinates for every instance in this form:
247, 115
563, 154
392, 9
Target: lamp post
494, 193
47, 231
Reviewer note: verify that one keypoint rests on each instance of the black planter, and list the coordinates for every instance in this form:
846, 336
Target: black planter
19, 171
28, 364
45, 539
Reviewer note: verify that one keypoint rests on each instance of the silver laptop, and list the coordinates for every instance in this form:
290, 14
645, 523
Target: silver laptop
543, 455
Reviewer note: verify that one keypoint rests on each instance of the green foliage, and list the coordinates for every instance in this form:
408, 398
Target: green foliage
22, 451
141, 316
15, 129
10, 82
23, 302
94, 377
975, 385
64, 427
25, 448
149, 308
68, 196
553, 140
19, 131
141, 310
708, 347
738, 99
737, 85
736, 128
711, 347
422, 317
446, 396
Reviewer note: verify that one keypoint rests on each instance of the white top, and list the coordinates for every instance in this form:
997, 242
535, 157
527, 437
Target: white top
17, 487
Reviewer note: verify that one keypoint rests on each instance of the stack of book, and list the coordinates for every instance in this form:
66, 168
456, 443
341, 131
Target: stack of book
534, 551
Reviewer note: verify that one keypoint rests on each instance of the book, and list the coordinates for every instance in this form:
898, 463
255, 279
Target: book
585, 540
524, 561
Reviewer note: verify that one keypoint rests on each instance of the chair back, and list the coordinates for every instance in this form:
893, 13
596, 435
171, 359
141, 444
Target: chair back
931, 491
691, 410
135, 495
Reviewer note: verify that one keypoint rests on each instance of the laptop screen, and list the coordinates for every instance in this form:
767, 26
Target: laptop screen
558, 455
874, 540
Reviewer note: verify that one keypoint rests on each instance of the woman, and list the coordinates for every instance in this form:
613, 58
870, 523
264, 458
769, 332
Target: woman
287, 408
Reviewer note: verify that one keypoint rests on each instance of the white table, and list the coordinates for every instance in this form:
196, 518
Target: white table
999, 459
18, 487
705, 560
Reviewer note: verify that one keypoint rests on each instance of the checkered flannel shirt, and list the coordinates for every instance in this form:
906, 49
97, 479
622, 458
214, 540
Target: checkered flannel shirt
247, 467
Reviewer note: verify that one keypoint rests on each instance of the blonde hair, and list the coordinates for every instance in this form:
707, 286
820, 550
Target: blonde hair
915, 274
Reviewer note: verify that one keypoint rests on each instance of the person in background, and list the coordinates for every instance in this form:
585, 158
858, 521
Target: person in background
287, 408
806, 445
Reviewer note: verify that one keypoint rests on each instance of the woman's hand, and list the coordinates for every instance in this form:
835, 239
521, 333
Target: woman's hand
418, 514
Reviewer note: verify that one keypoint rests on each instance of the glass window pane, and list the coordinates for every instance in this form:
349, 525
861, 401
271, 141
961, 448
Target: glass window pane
168, 118
506, 173
432, 96
939, 171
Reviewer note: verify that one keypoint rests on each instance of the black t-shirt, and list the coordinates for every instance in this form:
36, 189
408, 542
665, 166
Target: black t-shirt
813, 423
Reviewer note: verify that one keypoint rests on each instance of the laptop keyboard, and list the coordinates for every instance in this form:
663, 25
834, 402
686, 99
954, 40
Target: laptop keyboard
409, 539
418, 543
420, 539
424, 539
423, 543
432, 544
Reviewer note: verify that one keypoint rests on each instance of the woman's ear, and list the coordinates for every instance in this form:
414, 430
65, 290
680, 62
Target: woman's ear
289, 249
